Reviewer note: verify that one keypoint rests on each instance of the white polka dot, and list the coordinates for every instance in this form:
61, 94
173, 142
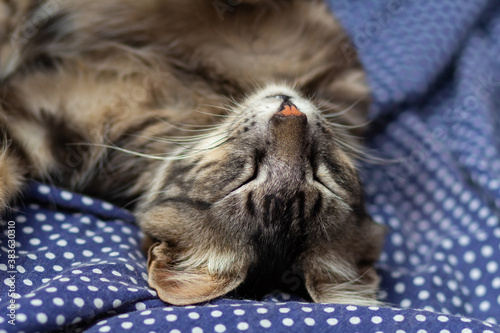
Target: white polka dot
469, 257
140, 306
98, 239
309, 322
194, 315
216, 313
50, 255
28, 282
464, 240
36, 302
106, 206
195, 330
58, 301
400, 287
47, 227
261, 310
35, 241
484, 306
41, 318
239, 312
420, 318
288, 322
62, 243
60, 320
105, 329
475, 274
117, 303
355, 320
149, 321
127, 325
242, 326
328, 310
80, 241
332, 321
376, 320
399, 318
265, 323
351, 308
480, 290
43, 189
219, 328
284, 310
418, 281
65, 195
399, 257
405, 303
39, 269
171, 317
423, 295
79, 302
40, 217
87, 201
443, 319
98, 303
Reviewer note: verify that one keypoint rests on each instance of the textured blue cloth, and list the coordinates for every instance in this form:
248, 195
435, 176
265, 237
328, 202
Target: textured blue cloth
434, 68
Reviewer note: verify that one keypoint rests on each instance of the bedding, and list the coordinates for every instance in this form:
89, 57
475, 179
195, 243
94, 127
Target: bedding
434, 68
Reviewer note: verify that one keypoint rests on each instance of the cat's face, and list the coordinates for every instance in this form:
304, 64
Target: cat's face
268, 191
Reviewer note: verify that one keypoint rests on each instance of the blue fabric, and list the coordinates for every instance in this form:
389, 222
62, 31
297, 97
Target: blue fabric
434, 68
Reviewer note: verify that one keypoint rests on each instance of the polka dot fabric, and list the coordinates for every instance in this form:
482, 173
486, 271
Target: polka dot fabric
80, 268
435, 72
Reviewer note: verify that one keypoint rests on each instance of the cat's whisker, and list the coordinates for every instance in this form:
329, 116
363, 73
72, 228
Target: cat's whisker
346, 110
215, 114
361, 153
349, 127
182, 129
161, 157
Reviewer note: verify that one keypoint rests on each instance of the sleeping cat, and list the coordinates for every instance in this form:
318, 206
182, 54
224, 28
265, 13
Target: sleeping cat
224, 126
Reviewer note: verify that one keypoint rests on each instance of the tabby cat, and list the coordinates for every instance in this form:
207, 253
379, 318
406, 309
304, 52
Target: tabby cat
225, 126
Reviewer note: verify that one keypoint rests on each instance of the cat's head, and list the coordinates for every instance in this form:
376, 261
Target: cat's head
268, 192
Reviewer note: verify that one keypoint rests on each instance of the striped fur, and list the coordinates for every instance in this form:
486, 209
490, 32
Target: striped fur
169, 108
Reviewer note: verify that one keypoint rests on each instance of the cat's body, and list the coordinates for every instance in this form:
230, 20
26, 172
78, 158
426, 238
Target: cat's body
117, 99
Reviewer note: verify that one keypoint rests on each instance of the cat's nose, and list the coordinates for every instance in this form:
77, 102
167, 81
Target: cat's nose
289, 129
289, 109
290, 114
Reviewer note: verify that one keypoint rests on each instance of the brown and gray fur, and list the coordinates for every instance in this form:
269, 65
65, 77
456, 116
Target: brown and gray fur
169, 107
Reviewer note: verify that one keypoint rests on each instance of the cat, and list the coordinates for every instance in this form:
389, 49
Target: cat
225, 126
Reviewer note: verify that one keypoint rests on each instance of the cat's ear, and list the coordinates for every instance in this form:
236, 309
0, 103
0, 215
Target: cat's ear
188, 284
347, 276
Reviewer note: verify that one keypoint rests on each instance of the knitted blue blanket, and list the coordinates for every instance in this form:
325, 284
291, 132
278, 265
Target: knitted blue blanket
434, 67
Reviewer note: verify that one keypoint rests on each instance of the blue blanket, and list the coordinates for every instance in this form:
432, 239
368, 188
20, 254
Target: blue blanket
434, 68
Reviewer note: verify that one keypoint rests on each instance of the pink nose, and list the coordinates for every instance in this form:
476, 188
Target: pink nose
289, 109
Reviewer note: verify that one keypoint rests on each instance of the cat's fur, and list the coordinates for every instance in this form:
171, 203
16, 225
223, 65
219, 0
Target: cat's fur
117, 99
